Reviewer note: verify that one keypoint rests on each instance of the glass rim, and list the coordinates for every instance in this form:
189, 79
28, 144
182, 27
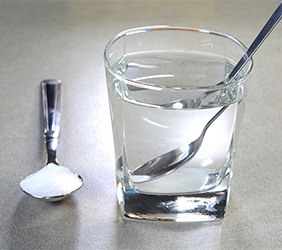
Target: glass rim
152, 86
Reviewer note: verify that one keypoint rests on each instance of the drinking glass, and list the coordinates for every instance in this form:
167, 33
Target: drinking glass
163, 88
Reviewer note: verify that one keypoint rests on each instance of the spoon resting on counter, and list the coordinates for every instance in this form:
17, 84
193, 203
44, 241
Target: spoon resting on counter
53, 182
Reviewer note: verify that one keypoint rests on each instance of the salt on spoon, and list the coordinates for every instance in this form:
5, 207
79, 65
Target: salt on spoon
53, 182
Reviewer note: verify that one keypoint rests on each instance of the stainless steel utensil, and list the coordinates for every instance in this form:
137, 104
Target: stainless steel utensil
170, 161
53, 182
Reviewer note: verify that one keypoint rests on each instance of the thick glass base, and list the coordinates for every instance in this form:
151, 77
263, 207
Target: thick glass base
205, 206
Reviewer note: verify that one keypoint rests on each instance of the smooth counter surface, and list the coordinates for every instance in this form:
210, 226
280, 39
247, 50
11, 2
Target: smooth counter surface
65, 40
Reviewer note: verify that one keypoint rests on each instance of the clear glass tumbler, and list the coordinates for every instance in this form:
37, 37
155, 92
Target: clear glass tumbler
163, 87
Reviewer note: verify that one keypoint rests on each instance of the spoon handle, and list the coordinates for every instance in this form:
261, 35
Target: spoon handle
51, 100
266, 30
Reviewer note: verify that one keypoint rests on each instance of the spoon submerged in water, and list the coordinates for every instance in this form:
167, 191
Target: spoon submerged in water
170, 161
53, 182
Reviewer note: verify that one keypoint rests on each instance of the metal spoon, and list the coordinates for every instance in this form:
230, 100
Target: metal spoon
170, 161
53, 182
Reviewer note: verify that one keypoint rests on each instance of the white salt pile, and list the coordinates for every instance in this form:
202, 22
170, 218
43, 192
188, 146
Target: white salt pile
51, 181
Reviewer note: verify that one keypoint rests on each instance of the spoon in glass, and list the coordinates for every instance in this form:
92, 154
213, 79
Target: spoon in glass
170, 161
53, 182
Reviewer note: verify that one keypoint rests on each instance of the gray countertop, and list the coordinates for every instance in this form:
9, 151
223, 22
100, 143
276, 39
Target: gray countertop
65, 40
